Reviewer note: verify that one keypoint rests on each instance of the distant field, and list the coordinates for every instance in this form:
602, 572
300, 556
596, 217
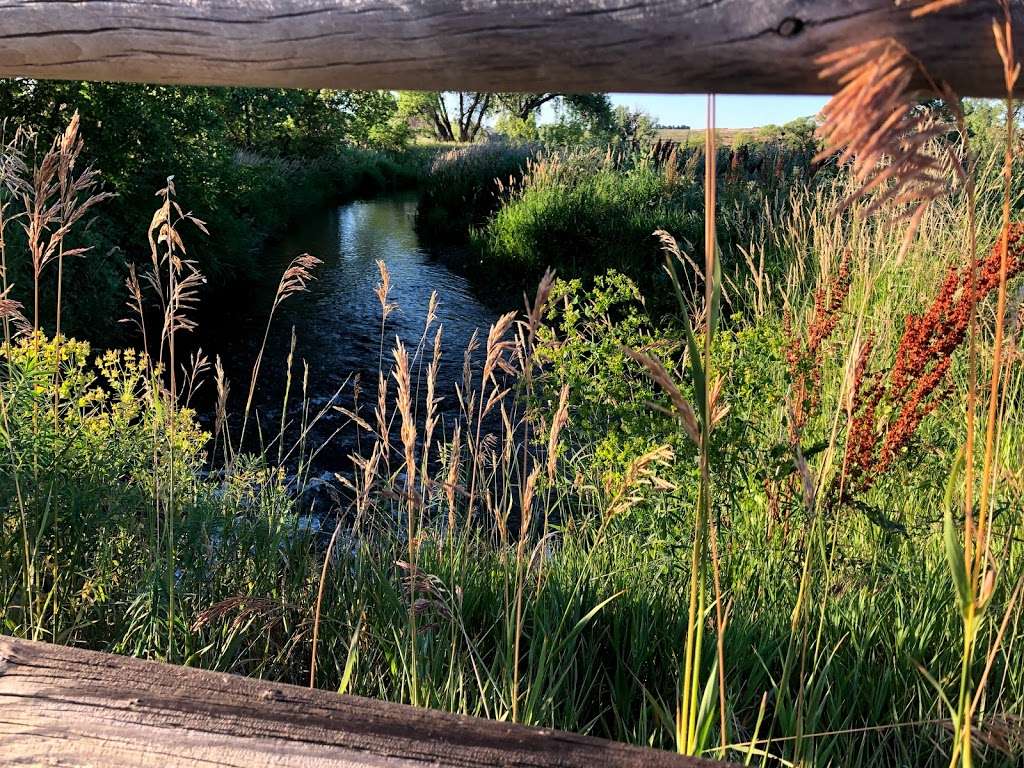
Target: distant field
726, 136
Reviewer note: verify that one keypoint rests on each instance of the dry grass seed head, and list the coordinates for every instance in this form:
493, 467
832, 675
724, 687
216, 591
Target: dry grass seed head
642, 472
296, 277
11, 312
467, 361
535, 311
454, 462
432, 400
402, 377
383, 290
526, 505
660, 376
497, 347
874, 124
557, 423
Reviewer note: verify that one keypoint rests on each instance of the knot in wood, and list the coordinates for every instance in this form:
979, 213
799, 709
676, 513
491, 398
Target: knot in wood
790, 27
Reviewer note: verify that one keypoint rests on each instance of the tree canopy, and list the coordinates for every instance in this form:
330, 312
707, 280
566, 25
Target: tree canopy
460, 116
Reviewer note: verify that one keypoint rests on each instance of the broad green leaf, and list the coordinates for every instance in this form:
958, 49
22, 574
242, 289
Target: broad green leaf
954, 550
353, 657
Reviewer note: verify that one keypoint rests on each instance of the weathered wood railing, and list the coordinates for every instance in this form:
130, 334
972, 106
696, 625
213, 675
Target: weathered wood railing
69, 707
727, 46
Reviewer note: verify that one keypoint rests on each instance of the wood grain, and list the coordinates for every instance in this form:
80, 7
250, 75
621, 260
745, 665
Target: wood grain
69, 707
726, 46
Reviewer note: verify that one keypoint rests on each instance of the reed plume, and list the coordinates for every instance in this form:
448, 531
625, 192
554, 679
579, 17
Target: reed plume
875, 124
295, 279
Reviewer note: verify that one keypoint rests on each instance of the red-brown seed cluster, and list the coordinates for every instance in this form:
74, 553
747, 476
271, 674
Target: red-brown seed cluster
804, 359
915, 384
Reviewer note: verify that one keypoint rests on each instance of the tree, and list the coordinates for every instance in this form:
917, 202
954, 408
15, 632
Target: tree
632, 128
372, 119
578, 117
308, 123
595, 107
461, 115
797, 135
449, 116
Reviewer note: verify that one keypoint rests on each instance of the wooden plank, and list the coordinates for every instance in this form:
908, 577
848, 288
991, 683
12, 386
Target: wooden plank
726, 46
70, 707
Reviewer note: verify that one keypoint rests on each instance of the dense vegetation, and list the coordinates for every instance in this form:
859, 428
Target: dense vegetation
253, 160
700, 498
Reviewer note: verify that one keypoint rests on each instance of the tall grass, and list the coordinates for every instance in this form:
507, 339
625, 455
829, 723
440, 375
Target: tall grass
584, 212
464, 187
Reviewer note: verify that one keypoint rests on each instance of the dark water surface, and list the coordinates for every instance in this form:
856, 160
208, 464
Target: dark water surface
337, 323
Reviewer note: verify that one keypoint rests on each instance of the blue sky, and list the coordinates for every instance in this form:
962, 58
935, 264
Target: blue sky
733, 111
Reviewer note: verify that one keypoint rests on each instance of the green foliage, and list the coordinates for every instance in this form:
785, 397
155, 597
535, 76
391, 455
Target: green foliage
582, 345
461, 116
582, 212
581, 216
464, 186
446, 116
580, 119
566, 608
795, 136
308, 123
96, 419
251, 159
631, 129
518, 129
620, 414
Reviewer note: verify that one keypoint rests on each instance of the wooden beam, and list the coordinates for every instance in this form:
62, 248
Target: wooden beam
69, 707
726, 46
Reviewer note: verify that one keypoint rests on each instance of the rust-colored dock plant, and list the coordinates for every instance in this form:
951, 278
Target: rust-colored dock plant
918, 378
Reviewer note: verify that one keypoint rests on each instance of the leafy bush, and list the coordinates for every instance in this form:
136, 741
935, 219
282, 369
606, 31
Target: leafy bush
620, 414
